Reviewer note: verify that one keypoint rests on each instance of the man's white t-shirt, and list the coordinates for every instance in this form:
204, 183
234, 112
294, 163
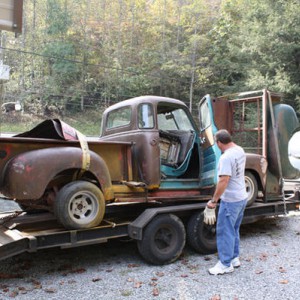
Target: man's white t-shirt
232, 163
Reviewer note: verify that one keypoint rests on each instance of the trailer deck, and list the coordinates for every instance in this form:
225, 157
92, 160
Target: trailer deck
33, 232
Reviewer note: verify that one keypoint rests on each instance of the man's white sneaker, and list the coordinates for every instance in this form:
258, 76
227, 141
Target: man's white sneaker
220, 269
236, 262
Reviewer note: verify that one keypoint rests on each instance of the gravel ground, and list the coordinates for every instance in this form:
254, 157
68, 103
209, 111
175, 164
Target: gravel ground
114, 270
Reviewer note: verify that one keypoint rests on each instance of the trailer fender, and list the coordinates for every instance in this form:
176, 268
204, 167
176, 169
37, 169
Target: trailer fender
28, 174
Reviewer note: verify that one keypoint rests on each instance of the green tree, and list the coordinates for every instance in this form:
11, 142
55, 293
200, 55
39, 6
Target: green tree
256, 45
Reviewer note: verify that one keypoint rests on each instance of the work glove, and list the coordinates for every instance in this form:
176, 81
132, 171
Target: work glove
209, 216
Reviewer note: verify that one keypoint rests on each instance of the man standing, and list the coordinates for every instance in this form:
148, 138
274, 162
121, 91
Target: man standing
232, 192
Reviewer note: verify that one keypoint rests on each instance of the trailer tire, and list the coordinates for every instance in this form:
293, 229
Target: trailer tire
251, 187
163, 240
200, 236
79, 205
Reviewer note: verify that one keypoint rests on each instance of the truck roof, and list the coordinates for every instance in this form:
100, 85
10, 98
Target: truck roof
145, 99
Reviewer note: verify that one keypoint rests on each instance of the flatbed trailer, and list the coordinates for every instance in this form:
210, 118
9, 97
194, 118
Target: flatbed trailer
32, 232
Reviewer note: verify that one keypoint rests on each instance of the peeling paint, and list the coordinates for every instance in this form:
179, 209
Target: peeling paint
18, 167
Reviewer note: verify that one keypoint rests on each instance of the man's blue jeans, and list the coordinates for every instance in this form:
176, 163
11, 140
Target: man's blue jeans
230, 217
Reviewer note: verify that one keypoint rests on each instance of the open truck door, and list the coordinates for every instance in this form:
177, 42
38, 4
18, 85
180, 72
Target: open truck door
211, 152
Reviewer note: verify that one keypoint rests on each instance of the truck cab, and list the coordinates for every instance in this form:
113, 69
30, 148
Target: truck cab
168, 152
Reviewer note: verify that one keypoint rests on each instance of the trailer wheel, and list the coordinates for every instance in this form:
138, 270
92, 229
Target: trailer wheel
79, 204
200, 236
251, 188
163, 240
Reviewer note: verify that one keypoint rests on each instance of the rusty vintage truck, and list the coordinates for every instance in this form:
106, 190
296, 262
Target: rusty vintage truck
153, 159
150, 150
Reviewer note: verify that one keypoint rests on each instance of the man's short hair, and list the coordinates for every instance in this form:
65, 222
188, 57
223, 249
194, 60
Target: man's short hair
223, 136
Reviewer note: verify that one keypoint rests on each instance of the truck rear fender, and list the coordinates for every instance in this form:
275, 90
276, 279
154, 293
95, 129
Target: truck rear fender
27, 175
257, 165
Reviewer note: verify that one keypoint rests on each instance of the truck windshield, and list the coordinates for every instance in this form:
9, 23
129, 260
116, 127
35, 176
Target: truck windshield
176, 119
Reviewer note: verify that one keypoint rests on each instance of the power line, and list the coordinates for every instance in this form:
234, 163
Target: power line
92, 65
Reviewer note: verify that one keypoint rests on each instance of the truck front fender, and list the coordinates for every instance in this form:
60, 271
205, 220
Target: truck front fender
27, 175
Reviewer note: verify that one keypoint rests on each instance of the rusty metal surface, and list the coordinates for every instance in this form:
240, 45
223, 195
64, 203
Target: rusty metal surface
27, 165
263, 127
146, 142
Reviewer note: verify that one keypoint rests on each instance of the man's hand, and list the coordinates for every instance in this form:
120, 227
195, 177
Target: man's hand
209, 215
211, 204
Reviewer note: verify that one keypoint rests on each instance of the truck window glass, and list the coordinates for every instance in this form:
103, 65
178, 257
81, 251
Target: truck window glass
118, 117
145, 115
173, 120
204, 116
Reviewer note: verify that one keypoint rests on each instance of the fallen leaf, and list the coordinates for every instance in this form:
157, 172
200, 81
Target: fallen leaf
259, 271
154, 279
50, 290
184, 275
96, 279
36, 284
153, 283
160, 274
133, 265
284, 281
184, 261
109, 270
215, 297
155, 292
78, 271
130, 280
71, 281
282, 270
137, 284
263, 256
13, 294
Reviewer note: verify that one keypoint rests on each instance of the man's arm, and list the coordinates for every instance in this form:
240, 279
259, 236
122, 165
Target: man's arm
220, 189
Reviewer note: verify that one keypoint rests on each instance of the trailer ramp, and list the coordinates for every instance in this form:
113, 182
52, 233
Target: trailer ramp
29, 233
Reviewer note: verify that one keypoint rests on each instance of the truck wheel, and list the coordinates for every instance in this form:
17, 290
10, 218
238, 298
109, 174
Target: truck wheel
79, 204
200, 236
163, 240
251, 187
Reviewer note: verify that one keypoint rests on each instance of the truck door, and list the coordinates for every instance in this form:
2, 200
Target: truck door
210, 150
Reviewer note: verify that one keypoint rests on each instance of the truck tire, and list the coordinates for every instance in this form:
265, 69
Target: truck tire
251, 187
79, 205
163, 240
200, 236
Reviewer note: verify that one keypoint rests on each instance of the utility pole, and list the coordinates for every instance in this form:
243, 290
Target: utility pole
4, 71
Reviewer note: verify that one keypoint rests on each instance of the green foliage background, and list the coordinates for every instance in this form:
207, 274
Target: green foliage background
76, 57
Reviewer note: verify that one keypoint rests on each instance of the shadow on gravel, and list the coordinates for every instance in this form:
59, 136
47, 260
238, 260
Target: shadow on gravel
261, 226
